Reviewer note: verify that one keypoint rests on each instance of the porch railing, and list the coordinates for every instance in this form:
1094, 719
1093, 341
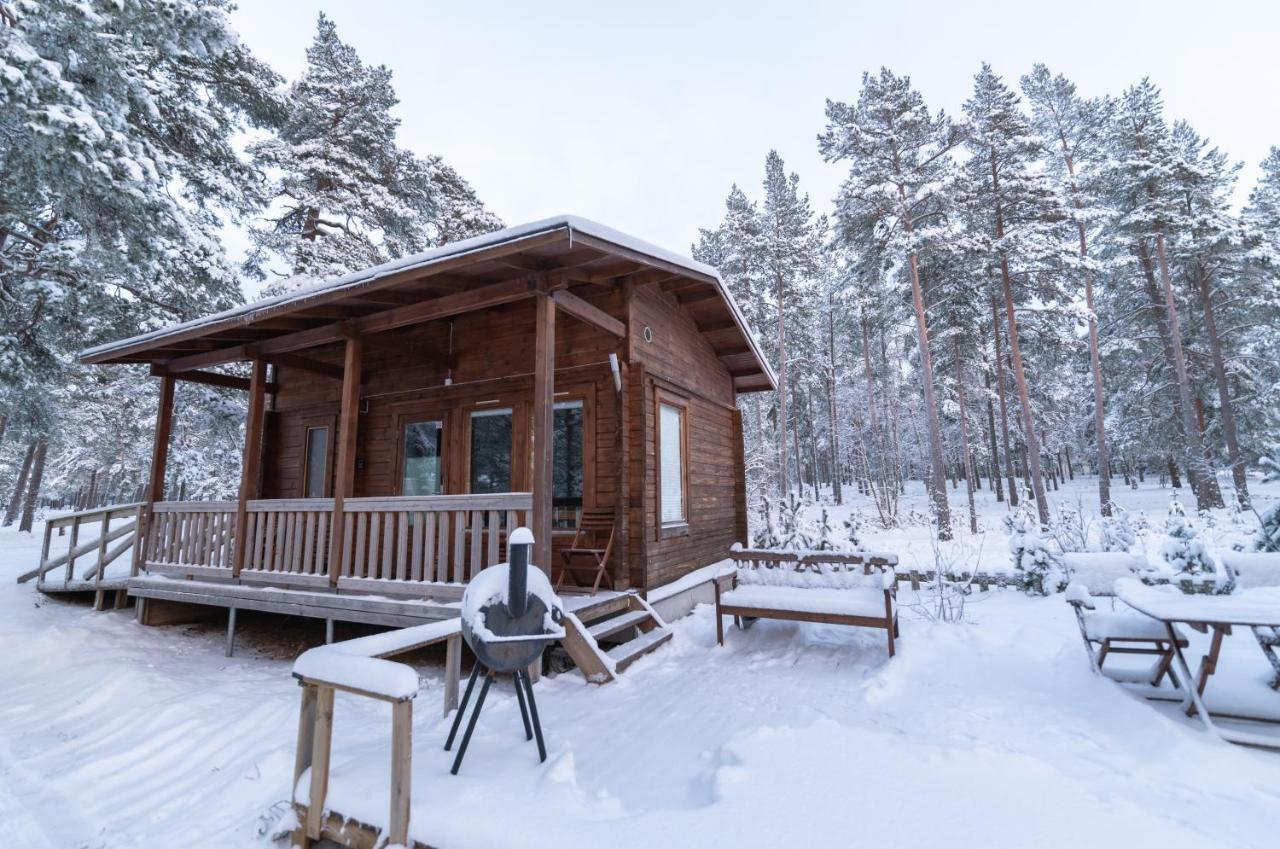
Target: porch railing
439, 539
83, 565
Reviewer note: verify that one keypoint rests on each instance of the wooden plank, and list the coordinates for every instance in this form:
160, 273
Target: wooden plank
159, 450
269, 551
541, 430
252, 459
388, 545
452, 672
402, 546
459, 544
306, 364
401, 771
430, 570
589, 313
360, 556
344, 474
416, 554
308, 543
306, 736
494, 520
440, 503
477, 529
323, 742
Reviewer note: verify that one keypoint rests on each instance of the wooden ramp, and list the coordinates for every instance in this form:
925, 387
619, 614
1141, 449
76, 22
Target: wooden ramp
606, 633
85, 554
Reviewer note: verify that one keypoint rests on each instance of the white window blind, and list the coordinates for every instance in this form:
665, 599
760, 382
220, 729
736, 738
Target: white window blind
671, 435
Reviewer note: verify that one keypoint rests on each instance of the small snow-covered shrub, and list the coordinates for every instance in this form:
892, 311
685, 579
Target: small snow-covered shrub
1039, 569
1070, 528
1187, 558
1117, 533
824, 535
853, 527
1268, 536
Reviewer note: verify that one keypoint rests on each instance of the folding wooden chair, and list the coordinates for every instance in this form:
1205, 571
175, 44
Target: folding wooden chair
580, 557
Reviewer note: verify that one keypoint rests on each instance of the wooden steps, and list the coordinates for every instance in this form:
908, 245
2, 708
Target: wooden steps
628, 625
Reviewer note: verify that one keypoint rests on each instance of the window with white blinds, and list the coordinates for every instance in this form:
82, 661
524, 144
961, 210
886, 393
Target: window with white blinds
671, 451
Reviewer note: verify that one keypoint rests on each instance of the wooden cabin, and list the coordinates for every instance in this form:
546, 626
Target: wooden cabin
401, 419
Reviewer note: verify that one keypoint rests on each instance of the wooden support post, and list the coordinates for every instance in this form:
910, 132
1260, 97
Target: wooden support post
544, 390
344, 475
159, 460
452, 672
103, 539
231, 631
322, 744
306, 737
401, 771
250, 465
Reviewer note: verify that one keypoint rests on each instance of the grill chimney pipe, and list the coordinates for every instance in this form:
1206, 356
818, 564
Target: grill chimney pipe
519, 544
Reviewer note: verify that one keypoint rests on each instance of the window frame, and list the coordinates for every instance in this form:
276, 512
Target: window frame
304, 425
666, 398
412, 415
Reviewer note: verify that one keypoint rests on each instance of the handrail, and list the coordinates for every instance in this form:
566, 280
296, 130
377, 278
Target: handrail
106, 554
114, 509
357, 666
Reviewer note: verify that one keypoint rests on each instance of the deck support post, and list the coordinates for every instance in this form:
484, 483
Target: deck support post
452, 672
328, 632
344, 475
250, 464
231, 631
544, 390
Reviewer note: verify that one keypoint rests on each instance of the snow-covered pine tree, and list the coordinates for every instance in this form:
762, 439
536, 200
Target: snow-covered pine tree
343, 194
1023, 216
1072, 126
1039, 569
790, 257
1141, 186
118, 171
1184, 550
900, 164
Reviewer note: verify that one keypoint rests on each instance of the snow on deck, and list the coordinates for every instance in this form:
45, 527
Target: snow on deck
993, 733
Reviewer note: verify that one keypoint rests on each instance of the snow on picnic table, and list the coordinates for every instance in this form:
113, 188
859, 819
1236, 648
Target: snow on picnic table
992, 733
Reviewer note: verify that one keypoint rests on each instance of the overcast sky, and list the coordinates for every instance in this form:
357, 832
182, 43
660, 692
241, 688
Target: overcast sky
642, 115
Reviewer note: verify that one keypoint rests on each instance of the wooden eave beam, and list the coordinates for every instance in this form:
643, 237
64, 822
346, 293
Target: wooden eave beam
588, 312
703, 294
483, 297
306, 364
717, 324
209, 378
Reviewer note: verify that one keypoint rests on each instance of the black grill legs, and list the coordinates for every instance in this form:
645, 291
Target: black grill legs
528, 712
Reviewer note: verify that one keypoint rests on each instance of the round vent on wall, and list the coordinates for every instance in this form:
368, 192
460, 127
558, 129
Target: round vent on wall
648, 333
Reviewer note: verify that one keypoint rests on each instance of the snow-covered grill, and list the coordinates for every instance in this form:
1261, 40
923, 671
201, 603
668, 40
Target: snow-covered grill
510, 614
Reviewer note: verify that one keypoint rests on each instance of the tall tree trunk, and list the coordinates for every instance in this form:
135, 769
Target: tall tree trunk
4, 426
1156, 311
783, 486
1095, 357
1205, 484
964, 441
996, 482
836, 492
1225, 404
938, 476
1004, 410
1024, 397
15, 501
33, 485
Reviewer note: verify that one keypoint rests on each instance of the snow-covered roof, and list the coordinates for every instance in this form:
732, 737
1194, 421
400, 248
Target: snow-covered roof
605, 238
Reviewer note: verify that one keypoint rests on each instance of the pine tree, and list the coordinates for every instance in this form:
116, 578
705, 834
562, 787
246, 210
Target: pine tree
344, 196
1075, 124
1022, 215
790, 257
1268, 535
1140, 181
899, 159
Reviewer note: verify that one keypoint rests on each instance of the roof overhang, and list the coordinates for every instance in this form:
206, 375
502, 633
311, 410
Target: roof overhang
486, 270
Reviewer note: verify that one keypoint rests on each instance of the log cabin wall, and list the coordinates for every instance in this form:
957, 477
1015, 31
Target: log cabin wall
679, 360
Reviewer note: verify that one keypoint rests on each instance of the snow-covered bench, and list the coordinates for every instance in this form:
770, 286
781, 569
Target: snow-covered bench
1111, 631
838, 588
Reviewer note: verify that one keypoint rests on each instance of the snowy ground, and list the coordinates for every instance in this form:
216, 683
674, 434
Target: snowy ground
990, 733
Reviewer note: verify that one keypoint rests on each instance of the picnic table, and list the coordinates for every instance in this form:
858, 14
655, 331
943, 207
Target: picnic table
1256, 610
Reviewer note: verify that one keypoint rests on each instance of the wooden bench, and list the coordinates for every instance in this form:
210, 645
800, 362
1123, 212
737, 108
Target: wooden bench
834, 588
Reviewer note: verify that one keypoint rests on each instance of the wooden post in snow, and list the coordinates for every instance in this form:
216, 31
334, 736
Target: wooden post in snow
344, 476
544, 390
252, 460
